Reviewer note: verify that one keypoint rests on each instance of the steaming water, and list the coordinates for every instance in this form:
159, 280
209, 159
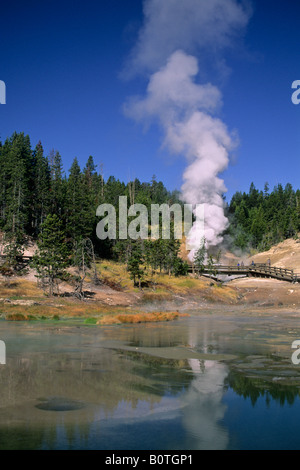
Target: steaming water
210, 381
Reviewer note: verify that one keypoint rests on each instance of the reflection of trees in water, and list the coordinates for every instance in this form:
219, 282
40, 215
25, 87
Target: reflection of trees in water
151, 334
167, 375
107, 381
8, 439
102, 378
255, 387
43, 434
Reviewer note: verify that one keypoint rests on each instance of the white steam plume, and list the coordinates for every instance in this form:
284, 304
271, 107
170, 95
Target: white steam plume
185, 109
195, 26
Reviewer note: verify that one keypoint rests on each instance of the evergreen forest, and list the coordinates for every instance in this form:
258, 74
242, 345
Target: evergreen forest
38, 197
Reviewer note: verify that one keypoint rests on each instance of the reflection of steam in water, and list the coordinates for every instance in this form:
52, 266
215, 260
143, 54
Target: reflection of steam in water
204, 409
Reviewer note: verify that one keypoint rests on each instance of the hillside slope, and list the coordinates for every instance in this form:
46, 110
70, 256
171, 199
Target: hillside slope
271, 292
284, 255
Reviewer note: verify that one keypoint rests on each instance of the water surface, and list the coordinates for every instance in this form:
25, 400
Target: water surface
213, 380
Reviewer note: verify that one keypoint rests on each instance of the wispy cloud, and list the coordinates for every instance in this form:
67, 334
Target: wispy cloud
195, 26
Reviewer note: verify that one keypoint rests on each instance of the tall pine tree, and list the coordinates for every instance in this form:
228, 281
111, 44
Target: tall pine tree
51, 258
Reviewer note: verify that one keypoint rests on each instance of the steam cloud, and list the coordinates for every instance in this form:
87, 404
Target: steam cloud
185, 109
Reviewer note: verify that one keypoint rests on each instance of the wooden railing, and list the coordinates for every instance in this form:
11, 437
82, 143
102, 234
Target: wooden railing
262, 270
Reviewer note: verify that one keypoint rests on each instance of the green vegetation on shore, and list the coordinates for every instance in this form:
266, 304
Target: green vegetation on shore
23, 299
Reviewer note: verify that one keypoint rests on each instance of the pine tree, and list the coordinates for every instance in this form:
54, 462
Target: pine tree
74, 201
171, 249
211, 264
158, 254
89, 172
180, 267
58, 183
41, 187
13, 252
93, 196
135, 263
16, 172
51, 258
200, 257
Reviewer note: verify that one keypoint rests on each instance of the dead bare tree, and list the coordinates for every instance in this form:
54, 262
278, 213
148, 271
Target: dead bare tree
131, 188
84, 259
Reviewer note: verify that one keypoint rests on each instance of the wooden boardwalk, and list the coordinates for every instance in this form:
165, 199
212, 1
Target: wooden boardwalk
257, 270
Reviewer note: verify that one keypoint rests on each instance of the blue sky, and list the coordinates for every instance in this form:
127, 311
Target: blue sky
62, 63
